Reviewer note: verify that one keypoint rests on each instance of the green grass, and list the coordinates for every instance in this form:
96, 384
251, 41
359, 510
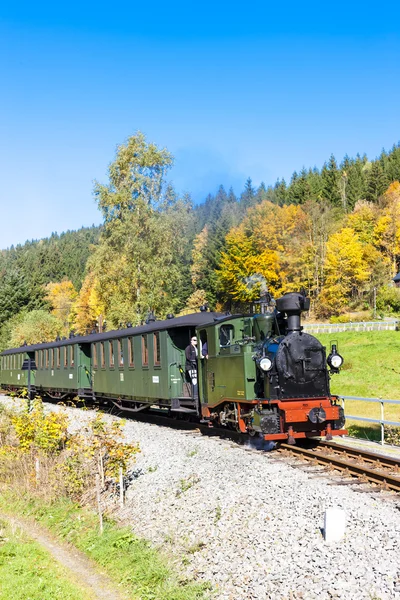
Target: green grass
131, 562
371, 370
28, 572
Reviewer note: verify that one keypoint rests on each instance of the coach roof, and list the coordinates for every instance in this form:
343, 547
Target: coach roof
192, 320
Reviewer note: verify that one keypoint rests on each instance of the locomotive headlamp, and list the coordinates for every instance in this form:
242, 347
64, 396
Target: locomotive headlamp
265, 364
334, 359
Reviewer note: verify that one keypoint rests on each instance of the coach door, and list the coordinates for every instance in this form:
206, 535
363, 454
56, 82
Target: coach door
84, 367
203, 366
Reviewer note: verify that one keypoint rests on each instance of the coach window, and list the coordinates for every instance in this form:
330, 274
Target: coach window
71, 357
145, 352
130, 352
102, 356
65, 357
94, 354
226, 335
120, 354
58, 358
111, 354
156, 349
46, 356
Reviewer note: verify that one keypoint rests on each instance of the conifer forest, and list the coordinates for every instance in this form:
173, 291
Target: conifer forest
333, 231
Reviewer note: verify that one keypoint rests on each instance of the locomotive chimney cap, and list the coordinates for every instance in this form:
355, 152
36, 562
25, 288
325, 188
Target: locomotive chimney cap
293, 302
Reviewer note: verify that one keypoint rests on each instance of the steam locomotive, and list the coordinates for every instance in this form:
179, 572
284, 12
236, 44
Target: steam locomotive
261, 375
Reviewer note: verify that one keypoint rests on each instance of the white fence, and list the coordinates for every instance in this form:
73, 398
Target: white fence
381, 421
389, 325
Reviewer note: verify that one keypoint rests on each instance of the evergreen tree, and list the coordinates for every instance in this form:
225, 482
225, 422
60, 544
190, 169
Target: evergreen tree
330, 181
281, 192
247, 197
261, 193
299, 190
14, 295
392, 166
377, 182
355, 188
231, 196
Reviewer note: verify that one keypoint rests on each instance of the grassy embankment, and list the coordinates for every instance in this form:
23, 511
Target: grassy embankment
48, 474
371, 370
28, 571
139, 570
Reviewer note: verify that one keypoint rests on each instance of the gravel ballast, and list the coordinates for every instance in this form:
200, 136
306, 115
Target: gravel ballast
251, 522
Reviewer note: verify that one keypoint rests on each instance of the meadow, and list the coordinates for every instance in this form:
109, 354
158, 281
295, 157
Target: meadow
371, 369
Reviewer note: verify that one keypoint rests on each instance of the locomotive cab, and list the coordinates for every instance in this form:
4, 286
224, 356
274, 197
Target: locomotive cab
265, 375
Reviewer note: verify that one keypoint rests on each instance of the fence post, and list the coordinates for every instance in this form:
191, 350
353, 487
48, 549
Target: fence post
382, 423
121, 488
37, 470
98, 494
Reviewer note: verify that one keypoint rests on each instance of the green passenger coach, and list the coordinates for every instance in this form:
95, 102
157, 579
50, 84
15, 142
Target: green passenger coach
255, 373
134, 368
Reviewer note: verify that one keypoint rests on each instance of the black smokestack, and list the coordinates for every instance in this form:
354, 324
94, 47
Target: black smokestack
293, 304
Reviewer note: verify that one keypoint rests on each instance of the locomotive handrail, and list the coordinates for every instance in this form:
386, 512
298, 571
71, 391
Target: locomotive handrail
381, 421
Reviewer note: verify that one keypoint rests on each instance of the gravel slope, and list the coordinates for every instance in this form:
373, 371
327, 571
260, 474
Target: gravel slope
250, 522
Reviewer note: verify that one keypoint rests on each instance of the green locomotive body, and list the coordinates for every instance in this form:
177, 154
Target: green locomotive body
259, 373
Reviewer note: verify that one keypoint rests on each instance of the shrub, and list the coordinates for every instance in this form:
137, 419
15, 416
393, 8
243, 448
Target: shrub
388, 299
392, 435
37, 453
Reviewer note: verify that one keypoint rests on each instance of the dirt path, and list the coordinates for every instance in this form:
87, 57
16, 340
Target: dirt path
82, 570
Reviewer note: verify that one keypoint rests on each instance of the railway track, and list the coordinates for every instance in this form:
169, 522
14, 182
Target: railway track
352, 462
368, 467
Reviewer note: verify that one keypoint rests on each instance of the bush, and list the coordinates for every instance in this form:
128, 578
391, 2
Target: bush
37, 453
340, 319
388, 299
392, 435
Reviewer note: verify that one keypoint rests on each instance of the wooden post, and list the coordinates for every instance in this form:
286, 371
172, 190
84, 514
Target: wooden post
101, 469
121, 488
37, 470
99, 502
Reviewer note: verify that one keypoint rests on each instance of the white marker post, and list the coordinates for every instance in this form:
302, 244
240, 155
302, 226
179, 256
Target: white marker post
335, 524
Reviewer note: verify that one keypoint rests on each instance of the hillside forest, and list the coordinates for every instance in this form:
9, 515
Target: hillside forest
333, 232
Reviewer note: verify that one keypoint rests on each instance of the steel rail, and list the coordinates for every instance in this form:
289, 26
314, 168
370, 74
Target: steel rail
372, 457
384, 479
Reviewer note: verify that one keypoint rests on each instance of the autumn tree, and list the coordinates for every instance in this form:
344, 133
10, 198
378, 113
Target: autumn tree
35, 327
87, 307
140, 261
346, 271
387, 228
61, 297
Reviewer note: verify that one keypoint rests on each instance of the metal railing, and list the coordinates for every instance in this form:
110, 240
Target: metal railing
381, 421
389, 325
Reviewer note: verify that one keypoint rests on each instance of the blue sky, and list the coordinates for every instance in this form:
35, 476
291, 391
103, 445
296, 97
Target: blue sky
232, 89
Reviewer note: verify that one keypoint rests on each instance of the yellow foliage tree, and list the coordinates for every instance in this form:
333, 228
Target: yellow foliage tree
61, 297
88, 306
271, 242
346, 271
199, 263
387, 229
243, 259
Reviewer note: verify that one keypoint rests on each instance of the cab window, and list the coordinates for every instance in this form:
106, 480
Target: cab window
226, 335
